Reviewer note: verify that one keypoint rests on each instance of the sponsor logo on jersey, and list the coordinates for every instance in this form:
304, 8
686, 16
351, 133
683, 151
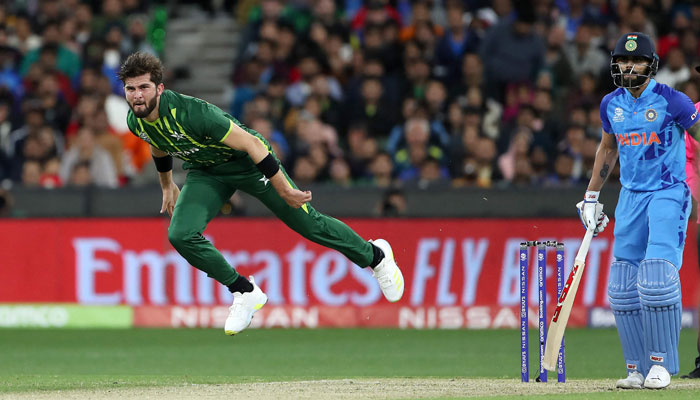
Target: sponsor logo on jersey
618, 115
694, 116
631, 366
184, 153
637, 139
656, 358
651, 115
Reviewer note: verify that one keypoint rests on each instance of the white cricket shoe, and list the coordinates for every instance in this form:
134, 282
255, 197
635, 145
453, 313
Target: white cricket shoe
634, 380
243, 307
657, 378
388, 273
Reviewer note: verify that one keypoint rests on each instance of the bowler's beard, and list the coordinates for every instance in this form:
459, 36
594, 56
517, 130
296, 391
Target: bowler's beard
150, 106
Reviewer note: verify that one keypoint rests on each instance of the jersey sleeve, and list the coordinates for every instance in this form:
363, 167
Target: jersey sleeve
604, 113
682, 109
215, 123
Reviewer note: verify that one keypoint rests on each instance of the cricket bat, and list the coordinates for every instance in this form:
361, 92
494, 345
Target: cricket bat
564, 305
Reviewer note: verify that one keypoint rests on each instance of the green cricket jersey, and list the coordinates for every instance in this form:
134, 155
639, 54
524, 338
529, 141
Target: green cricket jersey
192, 129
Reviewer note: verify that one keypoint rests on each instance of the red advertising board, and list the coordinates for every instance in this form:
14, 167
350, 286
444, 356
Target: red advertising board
458, 272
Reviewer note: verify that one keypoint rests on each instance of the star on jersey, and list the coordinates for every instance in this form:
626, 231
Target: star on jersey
264, 180
177, 135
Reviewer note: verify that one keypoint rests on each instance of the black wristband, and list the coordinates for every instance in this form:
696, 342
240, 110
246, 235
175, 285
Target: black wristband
268, 166
163, 164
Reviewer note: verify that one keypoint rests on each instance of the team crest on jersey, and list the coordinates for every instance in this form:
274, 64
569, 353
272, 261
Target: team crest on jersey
145, 137
631, 45
618, 115
650, 115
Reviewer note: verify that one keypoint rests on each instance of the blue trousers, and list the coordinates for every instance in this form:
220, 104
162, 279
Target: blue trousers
652, 225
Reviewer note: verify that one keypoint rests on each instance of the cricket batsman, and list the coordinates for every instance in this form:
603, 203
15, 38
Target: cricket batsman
643, 125
222, 156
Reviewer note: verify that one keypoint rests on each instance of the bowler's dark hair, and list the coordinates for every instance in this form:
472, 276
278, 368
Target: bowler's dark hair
141, 63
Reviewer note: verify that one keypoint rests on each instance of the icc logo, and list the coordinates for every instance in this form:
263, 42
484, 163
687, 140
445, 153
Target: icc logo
559, 257
523, 257
540, 257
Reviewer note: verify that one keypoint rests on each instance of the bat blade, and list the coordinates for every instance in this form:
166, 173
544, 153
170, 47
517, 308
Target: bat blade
565, 303
561, 317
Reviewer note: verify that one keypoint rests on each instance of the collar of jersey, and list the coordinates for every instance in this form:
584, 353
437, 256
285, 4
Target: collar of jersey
162, 109
647, 91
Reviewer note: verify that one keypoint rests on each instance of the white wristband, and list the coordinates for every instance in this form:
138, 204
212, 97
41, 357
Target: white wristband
591, 196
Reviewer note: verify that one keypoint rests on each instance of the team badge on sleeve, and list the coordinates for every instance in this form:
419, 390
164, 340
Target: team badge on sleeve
650, 115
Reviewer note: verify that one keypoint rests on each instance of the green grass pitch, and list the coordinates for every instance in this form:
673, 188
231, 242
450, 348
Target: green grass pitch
45, 360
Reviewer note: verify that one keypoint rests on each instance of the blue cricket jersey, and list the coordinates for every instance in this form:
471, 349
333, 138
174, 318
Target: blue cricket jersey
649, 132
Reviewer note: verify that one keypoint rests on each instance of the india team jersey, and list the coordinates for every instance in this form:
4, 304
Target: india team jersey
649, 132
192, 130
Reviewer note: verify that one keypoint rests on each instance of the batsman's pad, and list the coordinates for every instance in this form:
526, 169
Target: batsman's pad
625, 304
660, 293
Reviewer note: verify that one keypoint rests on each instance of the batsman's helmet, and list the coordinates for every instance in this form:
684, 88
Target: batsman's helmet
633, 44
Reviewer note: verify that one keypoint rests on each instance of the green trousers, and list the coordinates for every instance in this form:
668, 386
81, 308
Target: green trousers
205, 192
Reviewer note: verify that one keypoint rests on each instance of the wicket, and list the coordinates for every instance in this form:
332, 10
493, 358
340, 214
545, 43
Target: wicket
542, 306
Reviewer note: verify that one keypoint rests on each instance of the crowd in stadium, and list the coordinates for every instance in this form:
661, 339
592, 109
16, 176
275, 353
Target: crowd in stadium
425, 92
